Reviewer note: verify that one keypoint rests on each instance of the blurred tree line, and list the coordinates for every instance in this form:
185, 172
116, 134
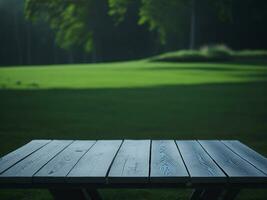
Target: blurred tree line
81, 31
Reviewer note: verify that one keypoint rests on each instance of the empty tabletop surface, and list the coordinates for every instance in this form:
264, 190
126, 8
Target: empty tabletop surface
133, 162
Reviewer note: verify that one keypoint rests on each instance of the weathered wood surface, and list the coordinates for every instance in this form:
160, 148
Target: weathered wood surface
131, 163
20, 153
256, 159
237, 169
199, 164
57, 169
166, 163
25, 169
94, 165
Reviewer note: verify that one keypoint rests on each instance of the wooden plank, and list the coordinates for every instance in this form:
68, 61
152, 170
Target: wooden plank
166, 163
200, 166
25, 169
94, 165
131, 163
256, 159
15, 156
237, 169
57, 169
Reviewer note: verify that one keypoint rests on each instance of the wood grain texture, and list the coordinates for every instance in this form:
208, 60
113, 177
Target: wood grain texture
237, 169
256, 159
20, 153
131, 163
57, 169
114, 163
166, 163
94, 165
201, 167
25, 169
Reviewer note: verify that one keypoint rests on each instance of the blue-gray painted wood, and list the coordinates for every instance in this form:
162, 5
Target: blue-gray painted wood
81, 162
256, 159
237, 169
131, 163
166, 163
57, 169
20, 153
201, 167
94, 165
24, 170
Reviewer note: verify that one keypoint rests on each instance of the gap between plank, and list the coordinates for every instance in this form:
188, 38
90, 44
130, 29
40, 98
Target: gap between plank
51, 158
241, 156
25, 156
106, 177
214, 160
182, 159
81, 158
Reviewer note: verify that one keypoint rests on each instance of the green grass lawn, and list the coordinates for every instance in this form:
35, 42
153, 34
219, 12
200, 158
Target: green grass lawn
136, 99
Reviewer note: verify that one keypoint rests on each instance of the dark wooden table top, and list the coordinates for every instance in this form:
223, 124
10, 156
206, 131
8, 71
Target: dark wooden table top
147, 163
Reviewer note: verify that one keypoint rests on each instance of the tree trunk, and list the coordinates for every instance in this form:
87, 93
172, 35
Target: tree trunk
85, 57
97, 48
71, 57
29, 45
192, 41
94, 52
98, 12
55, 57
17, 37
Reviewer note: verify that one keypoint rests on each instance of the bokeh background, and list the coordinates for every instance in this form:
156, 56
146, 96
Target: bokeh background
133, 69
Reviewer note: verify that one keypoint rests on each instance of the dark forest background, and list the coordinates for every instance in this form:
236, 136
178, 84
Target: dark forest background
26, 43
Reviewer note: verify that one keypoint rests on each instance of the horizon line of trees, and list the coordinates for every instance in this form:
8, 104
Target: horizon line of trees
54, 31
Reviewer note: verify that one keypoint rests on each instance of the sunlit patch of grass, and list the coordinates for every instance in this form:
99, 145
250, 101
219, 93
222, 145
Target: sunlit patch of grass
127, 75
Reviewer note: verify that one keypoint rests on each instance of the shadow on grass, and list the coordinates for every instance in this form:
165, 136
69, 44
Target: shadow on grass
210, 111
181, 111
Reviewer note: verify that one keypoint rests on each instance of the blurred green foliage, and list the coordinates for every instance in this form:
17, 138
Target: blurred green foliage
109, 30
75, 22
67, 19
167, 18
